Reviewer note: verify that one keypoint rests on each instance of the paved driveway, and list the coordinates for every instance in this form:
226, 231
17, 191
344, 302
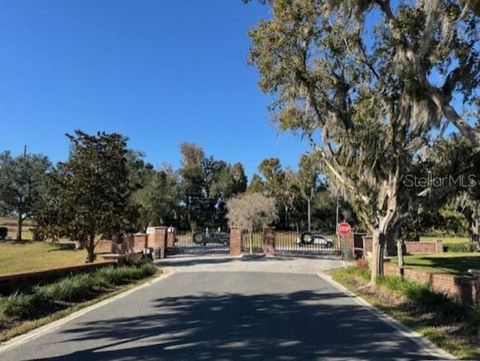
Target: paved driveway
223, 309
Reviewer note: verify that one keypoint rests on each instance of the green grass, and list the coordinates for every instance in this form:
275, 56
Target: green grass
453, 263
11, 224
451, 325
36, 256
445, 239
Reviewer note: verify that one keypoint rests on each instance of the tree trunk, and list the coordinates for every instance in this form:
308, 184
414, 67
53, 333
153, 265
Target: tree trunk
475, 231
91, 249
378, 243
286, 217
19, 227
401, 262
309, 210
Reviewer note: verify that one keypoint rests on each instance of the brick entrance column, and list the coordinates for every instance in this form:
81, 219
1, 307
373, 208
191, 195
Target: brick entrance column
171, 234
269, 241
157, 239
347, 246
139, 242
235, 242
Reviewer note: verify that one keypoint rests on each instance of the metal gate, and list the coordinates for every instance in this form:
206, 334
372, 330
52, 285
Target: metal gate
291, 244
188, 243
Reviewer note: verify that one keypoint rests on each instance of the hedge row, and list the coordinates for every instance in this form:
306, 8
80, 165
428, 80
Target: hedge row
459, 247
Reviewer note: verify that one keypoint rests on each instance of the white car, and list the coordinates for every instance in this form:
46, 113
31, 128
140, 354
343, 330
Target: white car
308, 238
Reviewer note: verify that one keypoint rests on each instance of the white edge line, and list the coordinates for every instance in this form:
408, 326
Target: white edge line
406, 331
38, 332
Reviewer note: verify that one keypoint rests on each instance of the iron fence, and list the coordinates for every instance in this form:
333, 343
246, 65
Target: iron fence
187, 243
292, 243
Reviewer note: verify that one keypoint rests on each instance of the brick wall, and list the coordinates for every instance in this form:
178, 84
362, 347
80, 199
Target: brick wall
424, 247
104, 246
463, 289
410, 247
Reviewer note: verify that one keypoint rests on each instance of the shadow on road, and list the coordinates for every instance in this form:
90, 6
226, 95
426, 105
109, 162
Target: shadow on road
303, 325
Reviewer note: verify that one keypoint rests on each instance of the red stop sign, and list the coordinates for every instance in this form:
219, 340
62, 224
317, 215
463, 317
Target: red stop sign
344, 229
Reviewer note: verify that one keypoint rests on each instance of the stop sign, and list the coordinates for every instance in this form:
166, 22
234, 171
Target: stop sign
344, 229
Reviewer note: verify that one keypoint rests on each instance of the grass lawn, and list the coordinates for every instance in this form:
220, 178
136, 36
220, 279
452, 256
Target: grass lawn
454, 263
452, 326
35, 256
11, 224
446, 239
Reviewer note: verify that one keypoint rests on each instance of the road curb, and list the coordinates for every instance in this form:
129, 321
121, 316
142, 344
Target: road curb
38, 332
406, 331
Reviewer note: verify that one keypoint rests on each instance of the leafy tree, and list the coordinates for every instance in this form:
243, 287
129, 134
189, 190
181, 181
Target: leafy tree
279, 184
22, 182
94, 189
455, 164
207, 183
251, 212
159, 198
366, 82
256, 184
308, 177
192, 178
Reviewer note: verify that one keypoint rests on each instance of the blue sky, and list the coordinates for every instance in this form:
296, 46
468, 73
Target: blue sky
159, 72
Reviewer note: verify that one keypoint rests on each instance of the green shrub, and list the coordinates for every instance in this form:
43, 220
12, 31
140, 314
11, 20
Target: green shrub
41, 300
71, 289
463, 247
426, 299
111, 276
26, 306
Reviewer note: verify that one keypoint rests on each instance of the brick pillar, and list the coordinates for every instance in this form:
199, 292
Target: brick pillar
235, 242
269, 241
438, 246
347, 245
157, 239
139, 242
476, 286
171, 234
127, 243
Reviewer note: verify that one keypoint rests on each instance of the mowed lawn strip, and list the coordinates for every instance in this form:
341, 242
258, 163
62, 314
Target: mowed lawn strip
445, 239
452, 263
28, 256
452, 326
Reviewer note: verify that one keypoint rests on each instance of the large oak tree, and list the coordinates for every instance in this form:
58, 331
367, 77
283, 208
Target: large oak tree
367, 82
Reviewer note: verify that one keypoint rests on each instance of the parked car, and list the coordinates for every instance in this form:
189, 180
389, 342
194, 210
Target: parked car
206, 236
308, 238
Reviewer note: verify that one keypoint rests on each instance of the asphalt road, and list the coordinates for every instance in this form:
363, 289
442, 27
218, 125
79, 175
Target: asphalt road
221, 315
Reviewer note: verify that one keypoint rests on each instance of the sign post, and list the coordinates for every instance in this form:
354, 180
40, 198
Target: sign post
344, 229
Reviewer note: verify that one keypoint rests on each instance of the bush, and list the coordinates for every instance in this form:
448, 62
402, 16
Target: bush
25, 307
121, 275
3, 232
71, 289
463, 247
